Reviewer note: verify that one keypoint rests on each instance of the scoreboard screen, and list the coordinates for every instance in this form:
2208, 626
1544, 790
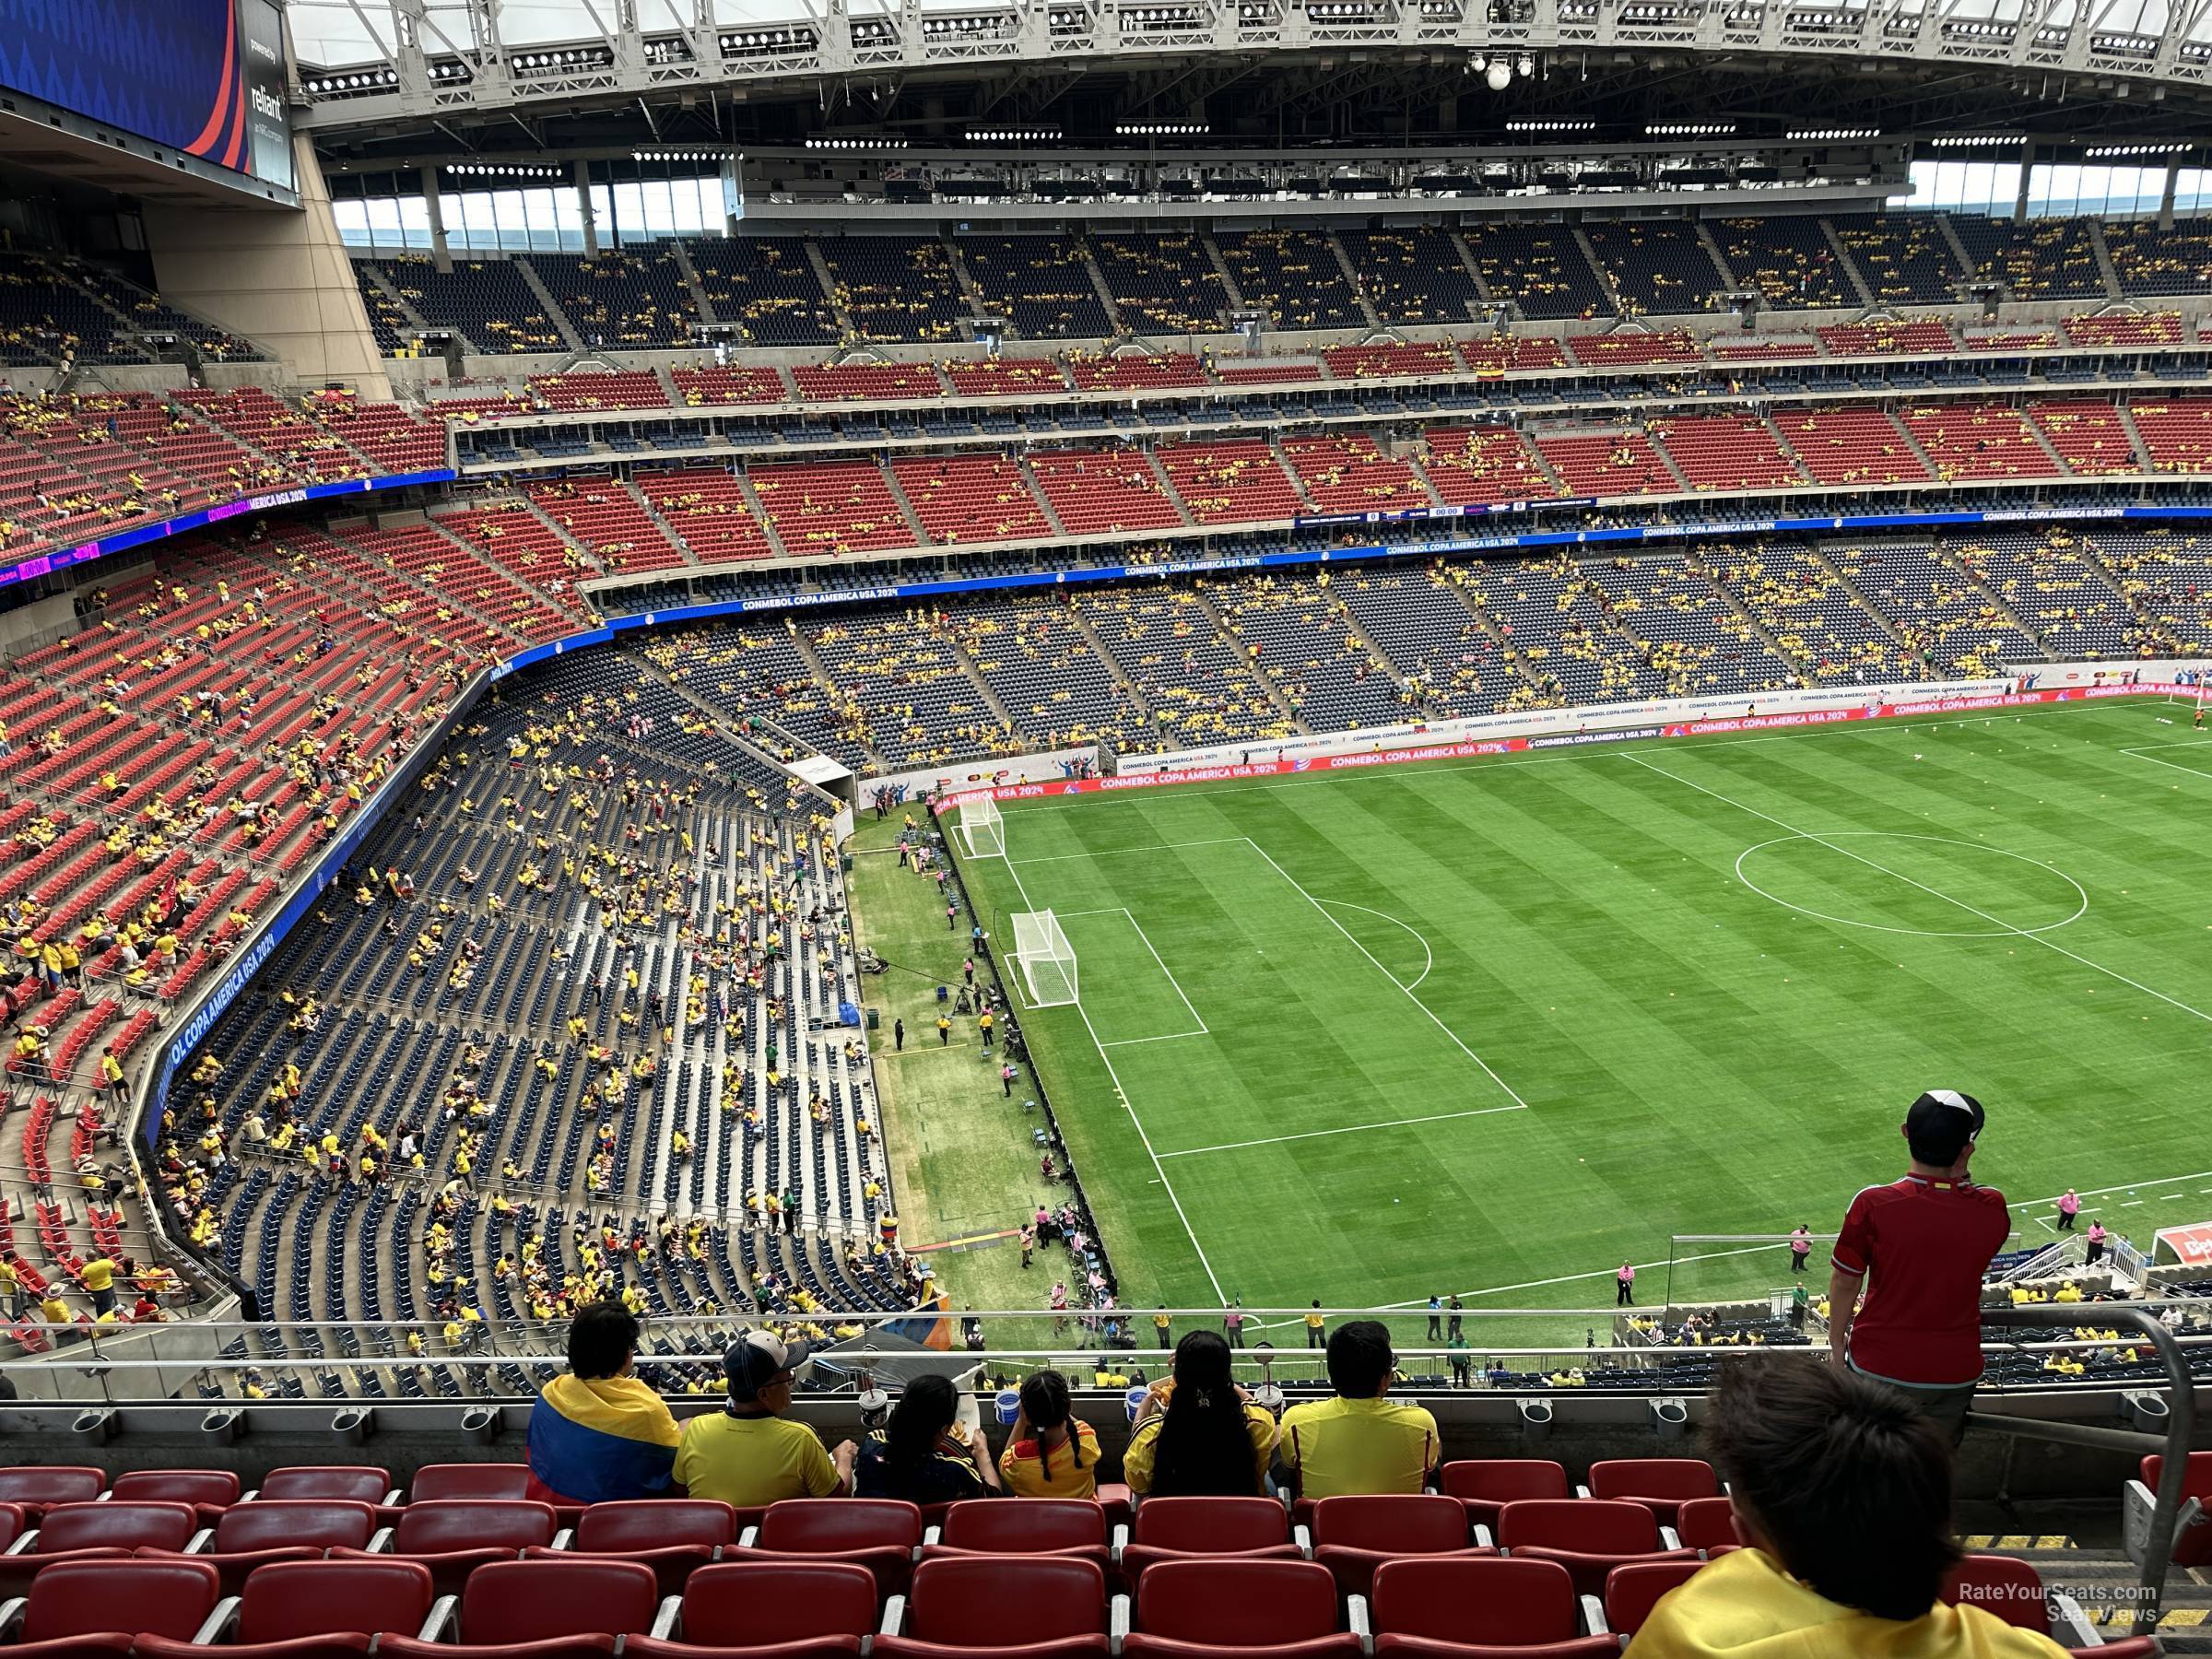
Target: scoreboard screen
203, 77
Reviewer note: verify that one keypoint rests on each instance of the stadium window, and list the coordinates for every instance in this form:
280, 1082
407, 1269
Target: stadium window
657, 202
2057, 190
2192, 186
541, 213
602, 216
383, 223
415, 223
628, 223
514, 231
568, 220
352, 219
468, 221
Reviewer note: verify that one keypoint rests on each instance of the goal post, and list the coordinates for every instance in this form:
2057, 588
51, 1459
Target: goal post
982, 832
1045, 957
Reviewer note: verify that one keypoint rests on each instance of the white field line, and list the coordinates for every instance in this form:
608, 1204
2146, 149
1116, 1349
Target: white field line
1427, 956
1276, 1140
1163, 1037
2193, 771
2033, 939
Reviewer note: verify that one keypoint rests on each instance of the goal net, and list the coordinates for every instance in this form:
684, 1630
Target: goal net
982, 832
1045, 957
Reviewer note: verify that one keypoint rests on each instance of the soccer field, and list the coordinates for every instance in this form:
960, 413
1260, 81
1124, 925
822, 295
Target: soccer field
1489, 1027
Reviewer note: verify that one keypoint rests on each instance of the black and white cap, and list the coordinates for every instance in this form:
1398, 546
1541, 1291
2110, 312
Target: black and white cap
1943, 1118
757, 1358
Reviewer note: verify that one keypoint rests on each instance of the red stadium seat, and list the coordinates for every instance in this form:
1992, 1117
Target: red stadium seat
314, 1610
1284, 1609
1173, 1529
879, 1533
1661, 1484
357, 1481
209, 1491
765, 1610
1589, 1537
2192, 1541
999, 1607
1706, 1523
82, 1530
36, 1488
1069, 1526
74, 1607
1353, 1535
434, 1482
287, 1529
538, 1610
12, 1524
1632, 1592
2013, 1591
1482, 1484
1481, 1607
456, 1537
672, 1536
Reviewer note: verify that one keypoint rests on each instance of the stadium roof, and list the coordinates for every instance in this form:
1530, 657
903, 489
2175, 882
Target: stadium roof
542, 74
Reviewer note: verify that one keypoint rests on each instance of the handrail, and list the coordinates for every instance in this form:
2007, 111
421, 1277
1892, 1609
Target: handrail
2173, 1446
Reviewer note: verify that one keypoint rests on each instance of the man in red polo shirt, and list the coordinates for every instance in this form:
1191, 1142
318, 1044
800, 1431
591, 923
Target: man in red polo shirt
1918, 1248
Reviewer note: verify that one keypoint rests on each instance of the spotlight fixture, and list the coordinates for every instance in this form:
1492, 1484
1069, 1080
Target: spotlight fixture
1161, 129
1830, 134
1690, 129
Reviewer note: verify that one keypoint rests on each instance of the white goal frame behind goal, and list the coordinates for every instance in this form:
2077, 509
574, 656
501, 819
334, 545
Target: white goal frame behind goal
982, 830
1046, 959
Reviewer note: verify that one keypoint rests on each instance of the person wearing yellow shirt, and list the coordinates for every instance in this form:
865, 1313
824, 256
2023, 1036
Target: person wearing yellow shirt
1841, 1490
750, 1452
1051, 1453
1357, 1440
1197, 1434
98, 1278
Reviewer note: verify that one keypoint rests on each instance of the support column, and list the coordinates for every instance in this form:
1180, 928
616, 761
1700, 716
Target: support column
279, 277
442, 257
583, 207
2019, 202
2173, 176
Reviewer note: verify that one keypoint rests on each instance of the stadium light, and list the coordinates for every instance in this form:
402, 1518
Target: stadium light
1161, 129
1972, 140
1499, 75
1551, 126
1830, 134
1690, 129
2140, 149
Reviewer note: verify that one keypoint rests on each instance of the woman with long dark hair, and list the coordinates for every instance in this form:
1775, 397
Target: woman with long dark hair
921, 1453
1199, 1435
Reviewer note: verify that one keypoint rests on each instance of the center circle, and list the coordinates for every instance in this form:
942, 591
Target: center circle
2055, 894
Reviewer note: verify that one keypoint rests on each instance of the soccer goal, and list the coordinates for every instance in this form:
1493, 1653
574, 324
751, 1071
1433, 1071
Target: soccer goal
982, 832
1047, 960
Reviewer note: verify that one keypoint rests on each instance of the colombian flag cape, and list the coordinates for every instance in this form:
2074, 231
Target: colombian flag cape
601, 1439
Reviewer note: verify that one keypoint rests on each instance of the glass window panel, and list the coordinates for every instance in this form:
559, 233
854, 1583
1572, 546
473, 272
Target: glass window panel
568, 219
629, 218
602, 216
515, 235
415, 222
540, 215
353, 222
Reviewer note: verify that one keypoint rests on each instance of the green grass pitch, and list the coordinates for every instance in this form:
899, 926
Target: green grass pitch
1489, 1027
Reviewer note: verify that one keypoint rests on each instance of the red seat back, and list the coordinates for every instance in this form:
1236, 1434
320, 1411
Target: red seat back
1706, 1523
436, 1481
755, 1604
1591, 1525
328, 1524
1631, 1591
2012, 1590
1491, 1599
1504, 1480
992, 1601
1237, 1604
1401, 1523
823, 1525
507, 1602
648, 1524
1671, 1478
213, 1488
167, 1597
1030, 1528
52, 1483
2197, 1482
357, 1481
288, 1600
474, 1524
12, 1522
116, 1526
1211, 1525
